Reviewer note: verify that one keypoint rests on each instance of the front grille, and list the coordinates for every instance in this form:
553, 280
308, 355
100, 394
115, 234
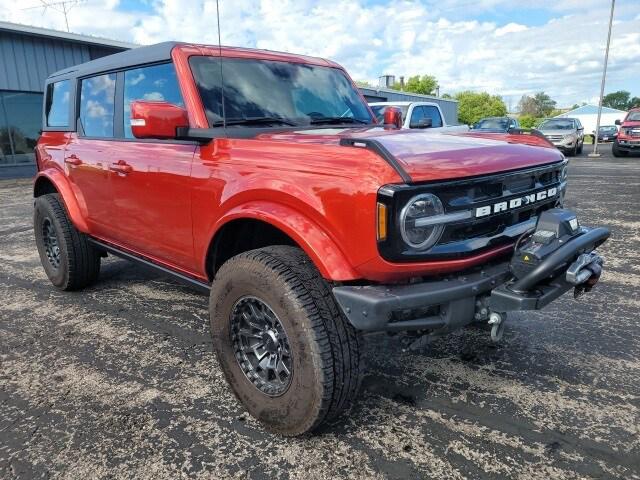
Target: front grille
555, 138
633, 132
471, 236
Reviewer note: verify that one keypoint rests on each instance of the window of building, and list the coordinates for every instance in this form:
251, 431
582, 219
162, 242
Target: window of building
20, 120
158, 82
58, 104
97, 95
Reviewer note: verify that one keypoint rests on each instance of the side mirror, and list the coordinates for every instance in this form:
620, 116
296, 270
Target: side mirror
618, 122
153, 119
392, 117
422, 123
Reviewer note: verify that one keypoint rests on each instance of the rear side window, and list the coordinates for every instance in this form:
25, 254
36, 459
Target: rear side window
57, 108
429, 111
97, 95
158, 82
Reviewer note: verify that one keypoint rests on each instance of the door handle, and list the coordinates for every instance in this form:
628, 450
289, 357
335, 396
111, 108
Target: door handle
121, 167
72, 160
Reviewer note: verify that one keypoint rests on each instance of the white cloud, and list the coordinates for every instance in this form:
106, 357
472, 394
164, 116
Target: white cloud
510, 28
562, 57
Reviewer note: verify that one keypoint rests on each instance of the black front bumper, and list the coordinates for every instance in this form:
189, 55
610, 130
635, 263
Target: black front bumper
442, 305
448, 303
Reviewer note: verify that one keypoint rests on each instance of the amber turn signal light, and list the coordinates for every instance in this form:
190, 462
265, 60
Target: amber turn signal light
382, 221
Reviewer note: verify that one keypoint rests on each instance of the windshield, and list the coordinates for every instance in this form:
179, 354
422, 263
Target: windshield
378, 111
557, 124
276, 92
492, 124
634, 117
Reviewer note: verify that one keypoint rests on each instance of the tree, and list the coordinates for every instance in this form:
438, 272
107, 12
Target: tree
425, 84
446, 95
618, 100
634, 102
472, 106
540, 105
528, 121
363, 83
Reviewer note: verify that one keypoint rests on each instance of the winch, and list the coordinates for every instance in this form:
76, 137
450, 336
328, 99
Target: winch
556, 256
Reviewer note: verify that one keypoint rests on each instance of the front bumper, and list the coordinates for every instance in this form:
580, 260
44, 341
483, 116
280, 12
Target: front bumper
444, 304
631, 145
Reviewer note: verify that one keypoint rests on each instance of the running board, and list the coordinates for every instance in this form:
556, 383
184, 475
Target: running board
143, 261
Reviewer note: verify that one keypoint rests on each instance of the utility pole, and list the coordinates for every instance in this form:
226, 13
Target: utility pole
604, 76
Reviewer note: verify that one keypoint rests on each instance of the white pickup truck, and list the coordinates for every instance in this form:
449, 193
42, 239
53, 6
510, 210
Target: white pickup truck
418, 115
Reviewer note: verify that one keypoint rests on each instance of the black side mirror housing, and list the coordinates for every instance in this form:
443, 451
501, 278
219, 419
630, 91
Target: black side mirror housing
618, 122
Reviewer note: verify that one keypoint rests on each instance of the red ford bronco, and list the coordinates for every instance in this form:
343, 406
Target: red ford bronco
628, 139
264, 178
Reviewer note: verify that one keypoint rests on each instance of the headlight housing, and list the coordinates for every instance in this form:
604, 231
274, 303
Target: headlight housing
415, 228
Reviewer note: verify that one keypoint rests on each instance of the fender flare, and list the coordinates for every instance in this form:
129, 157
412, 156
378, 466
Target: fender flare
69, 199
308, 235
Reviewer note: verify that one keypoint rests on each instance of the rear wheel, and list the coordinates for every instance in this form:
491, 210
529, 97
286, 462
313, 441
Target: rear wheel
69, 260
616, 150
284, 346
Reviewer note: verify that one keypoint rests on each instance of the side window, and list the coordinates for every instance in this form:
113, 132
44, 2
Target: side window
416, 115
157, 82
57, 108
434, 114
97, 96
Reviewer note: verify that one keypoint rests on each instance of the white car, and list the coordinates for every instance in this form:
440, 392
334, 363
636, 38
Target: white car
418, 115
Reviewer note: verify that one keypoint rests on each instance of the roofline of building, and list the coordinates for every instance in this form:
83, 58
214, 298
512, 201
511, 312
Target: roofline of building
590, 105
401, 92
71, 37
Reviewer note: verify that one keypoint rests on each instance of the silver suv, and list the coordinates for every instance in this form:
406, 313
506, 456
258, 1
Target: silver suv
567, 134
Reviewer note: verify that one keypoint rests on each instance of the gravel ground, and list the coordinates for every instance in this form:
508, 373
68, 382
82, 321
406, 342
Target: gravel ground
119, 381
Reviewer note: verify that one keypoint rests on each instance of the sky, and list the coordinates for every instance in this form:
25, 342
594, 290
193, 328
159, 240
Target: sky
504, 47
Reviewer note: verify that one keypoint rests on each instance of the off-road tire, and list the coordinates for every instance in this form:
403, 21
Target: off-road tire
326, 349
79, 261
616, 151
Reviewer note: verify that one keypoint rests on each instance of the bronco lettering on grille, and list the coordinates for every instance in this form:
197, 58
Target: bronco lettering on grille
516, 202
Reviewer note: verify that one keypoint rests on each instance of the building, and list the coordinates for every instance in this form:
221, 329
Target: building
588, 116
27, 56
448, 106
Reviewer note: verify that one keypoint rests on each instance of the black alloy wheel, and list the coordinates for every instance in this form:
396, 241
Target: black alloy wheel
261, 346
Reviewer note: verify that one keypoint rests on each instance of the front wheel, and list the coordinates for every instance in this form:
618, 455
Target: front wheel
287, 351
579, 151
616, 150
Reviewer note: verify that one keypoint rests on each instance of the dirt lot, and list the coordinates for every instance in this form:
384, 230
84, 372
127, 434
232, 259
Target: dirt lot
120, 381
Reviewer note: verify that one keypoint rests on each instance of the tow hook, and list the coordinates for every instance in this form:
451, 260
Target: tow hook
497, 322
584, 273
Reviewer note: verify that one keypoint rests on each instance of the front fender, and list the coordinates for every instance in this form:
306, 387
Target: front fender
315, 242
69, 199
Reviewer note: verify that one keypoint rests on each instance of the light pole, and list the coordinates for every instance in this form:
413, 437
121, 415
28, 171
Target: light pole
604, 76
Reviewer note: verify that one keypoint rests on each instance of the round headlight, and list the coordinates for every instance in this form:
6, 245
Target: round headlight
416, 231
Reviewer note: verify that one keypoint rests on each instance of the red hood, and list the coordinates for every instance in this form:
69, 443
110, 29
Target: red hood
430, 155
631, 123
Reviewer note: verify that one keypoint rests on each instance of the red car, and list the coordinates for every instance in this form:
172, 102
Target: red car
264, 178
628, 140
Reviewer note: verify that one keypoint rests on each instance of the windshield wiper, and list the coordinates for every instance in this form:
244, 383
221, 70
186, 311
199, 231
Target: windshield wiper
254, 121
336, 120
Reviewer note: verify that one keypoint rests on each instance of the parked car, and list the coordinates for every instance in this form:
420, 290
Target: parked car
418, 115
607, 133
567, 134
496, 124
264, 179
628, 139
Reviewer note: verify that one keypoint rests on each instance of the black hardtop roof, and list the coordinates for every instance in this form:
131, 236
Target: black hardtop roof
137, 56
